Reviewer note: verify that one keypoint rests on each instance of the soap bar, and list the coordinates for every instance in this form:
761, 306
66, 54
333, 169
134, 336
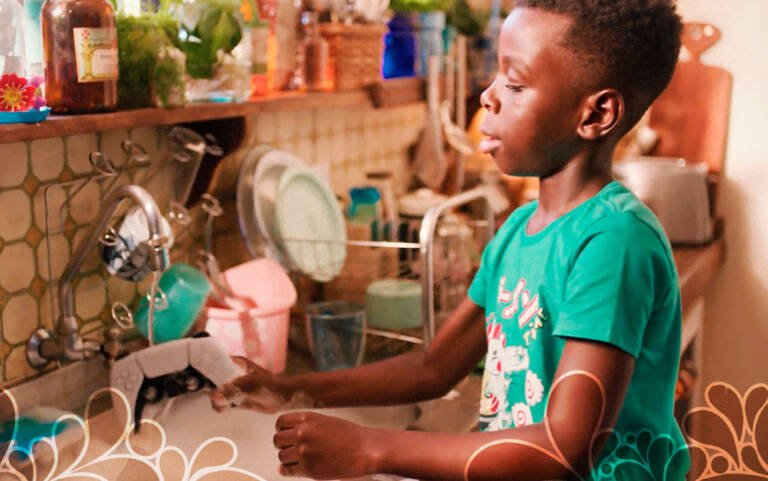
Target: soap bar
394, 304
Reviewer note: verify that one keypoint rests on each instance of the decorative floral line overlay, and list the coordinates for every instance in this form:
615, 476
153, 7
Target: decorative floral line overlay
116, 453
727, 441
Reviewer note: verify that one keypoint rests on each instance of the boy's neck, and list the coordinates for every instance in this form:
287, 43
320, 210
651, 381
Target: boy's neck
559, 193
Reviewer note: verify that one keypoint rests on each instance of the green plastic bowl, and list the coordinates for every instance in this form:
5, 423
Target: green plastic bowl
186, 290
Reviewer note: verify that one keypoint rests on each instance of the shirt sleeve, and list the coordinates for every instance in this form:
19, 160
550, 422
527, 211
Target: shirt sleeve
610, 290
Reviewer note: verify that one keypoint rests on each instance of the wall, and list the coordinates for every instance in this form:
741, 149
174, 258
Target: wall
736, 329
37, 236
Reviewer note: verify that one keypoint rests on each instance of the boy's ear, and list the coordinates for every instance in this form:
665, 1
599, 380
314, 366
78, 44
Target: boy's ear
602, 113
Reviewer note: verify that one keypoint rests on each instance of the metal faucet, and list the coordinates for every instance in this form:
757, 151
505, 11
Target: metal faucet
427, 251
64, 343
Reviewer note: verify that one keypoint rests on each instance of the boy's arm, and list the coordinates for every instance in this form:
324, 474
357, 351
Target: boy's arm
587, 395
415, 376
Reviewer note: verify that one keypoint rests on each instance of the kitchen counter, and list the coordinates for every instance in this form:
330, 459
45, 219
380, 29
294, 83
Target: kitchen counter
696, 267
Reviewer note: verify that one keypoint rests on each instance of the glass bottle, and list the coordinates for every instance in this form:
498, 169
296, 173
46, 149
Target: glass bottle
33, 38
11, 39
315, 53
80, 50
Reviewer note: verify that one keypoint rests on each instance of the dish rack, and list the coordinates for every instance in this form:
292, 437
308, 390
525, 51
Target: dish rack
369, 260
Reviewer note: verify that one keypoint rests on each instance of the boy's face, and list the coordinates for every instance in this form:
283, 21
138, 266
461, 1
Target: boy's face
534, 102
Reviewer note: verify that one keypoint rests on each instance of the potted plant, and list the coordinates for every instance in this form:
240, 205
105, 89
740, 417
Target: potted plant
149, 55
214, 37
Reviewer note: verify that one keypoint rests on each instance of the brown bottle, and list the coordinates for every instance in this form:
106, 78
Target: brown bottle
80, 48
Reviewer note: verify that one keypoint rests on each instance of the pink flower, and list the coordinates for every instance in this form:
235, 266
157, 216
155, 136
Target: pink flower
37, 81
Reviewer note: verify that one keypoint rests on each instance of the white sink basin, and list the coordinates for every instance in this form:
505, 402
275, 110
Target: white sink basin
190, 422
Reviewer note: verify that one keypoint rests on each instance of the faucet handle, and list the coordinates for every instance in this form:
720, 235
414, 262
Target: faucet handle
110, 349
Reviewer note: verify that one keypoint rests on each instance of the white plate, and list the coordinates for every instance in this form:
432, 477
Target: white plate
310, 223
256, 192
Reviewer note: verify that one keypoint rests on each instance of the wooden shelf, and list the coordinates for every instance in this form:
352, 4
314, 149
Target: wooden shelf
56, 126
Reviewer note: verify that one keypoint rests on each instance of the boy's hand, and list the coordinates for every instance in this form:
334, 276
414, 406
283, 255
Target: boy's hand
323, 447
253, 390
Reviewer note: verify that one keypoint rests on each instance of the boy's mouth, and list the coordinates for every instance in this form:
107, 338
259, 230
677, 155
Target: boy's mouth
489, 144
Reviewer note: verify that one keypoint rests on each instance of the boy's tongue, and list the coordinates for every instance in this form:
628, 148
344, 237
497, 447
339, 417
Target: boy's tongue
489, 144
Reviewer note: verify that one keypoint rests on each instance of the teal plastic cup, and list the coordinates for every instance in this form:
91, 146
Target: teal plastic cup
180, 299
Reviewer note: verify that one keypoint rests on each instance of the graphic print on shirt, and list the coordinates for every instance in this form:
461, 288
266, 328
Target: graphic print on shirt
508, 394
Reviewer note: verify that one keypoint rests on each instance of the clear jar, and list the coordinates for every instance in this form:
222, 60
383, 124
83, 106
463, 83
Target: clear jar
11, 39
81, 60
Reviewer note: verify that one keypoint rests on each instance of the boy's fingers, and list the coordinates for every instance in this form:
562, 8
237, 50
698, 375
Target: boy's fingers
284, 439
292, 470
290, 420
289, 455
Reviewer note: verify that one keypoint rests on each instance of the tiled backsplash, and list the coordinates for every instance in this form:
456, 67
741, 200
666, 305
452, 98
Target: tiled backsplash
35, 242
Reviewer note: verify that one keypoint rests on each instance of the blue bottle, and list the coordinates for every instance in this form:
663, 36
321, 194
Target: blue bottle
399, 48
431, 38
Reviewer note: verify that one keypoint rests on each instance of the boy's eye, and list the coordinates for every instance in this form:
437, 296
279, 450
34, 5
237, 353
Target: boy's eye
513, 87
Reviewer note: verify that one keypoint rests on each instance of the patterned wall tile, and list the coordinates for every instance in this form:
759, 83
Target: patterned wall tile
52, 255
15, 214
323, 150
92, 260
47, 158
18, 261
90, 296
304, 149
45, 202
84, 206
19, 318
110, 144
79, 148
15, 164
16, 366
286, 124
305, 123
48, 309
266, 127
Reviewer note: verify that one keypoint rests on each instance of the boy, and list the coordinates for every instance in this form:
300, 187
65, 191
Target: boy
579, 289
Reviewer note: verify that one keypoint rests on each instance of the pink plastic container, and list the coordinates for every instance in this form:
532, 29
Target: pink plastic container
260, 334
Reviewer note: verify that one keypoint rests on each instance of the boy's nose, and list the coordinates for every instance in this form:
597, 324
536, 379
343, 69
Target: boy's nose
489, 101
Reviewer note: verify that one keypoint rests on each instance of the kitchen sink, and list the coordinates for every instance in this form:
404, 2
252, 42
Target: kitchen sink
232, 445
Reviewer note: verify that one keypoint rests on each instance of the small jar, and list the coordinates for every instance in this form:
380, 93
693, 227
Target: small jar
81, 59
316, 53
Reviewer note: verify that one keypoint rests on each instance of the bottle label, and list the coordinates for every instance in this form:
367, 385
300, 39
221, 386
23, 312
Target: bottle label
96, 54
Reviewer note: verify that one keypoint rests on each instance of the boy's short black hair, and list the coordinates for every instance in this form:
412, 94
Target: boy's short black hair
632, 45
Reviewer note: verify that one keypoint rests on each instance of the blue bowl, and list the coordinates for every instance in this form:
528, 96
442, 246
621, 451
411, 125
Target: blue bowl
28, 117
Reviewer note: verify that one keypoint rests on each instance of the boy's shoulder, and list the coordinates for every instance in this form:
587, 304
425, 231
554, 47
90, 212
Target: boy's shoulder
617, 210
614, 211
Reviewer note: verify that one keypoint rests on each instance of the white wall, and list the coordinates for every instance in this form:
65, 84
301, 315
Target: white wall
736, 332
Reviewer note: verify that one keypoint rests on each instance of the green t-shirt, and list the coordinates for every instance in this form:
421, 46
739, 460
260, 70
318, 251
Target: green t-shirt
603, 272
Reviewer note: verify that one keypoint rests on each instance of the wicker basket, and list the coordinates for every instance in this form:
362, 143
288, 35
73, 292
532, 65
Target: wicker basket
356, 53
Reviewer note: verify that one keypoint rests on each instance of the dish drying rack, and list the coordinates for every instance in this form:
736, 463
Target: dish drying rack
400, 259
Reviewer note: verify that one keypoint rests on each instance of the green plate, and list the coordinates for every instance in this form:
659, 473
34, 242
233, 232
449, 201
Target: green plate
310, 224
